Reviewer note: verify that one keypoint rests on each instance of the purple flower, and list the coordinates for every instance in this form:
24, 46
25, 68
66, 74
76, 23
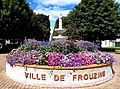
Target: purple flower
58, 59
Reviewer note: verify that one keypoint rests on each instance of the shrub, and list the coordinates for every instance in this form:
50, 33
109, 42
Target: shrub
59, 47
87, 46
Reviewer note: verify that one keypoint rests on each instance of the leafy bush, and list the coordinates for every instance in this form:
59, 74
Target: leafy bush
110, 49
86, 46
58, 47
65, 47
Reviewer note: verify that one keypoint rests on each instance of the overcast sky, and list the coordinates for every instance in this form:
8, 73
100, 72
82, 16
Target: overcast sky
53, 8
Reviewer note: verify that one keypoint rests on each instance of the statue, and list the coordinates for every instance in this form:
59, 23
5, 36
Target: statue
60, 31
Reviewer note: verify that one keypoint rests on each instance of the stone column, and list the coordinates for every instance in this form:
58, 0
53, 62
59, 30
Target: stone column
60, 22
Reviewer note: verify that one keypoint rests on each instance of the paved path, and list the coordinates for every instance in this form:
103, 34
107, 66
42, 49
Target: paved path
6, 83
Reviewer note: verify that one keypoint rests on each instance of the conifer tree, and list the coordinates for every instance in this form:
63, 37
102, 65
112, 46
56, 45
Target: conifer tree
94, 20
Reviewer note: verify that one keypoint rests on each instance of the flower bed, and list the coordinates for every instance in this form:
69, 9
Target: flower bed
35, 58
57, 59
65, 54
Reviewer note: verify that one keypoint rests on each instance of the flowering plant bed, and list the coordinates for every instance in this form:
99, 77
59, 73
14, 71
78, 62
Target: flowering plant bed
57, 59
59, 64
65, 54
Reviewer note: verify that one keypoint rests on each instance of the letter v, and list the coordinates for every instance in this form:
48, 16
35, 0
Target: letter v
26, 75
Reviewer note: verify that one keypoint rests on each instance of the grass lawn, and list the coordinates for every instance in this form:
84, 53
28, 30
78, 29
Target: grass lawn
110, 49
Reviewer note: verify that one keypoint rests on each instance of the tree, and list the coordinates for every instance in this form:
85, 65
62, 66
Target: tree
94, 20
17, 21
39, 28
57, 23
15, 17
0, 4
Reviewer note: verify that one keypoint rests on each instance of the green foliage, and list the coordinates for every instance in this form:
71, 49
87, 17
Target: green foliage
55, 33
57, 23
28, 46
117, 44
58, 47
15, 17
39, 27
45, 48
65, 47
110, 49
93, 20
18, 21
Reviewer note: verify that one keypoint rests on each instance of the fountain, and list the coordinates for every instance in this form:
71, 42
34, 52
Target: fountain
60, 31
88, 73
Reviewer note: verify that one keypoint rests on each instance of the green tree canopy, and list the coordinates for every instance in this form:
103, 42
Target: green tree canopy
15, 17
17, 21
93, 20
39, 28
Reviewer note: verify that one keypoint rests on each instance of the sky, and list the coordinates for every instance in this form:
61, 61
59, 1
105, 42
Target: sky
54, 8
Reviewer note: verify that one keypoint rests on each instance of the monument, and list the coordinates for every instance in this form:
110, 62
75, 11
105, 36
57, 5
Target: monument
60, 31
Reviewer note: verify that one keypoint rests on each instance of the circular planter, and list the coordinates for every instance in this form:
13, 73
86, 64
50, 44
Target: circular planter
57, 76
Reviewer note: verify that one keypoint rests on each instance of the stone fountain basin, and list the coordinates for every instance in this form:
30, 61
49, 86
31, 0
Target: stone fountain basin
60, 37
60, 31
56, 76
